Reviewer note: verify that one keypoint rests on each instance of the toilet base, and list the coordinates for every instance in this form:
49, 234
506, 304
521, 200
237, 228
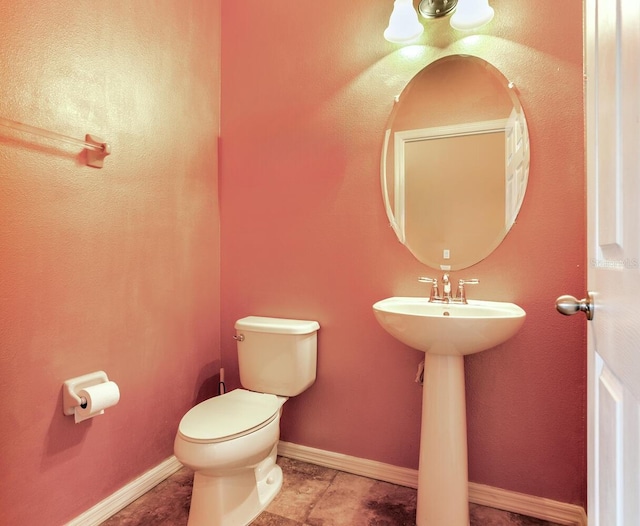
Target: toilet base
234, 499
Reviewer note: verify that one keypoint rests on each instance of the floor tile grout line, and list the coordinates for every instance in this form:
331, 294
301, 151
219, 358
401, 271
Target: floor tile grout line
319, 498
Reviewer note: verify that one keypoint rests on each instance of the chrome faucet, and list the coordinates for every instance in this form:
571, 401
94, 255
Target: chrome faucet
445, 297
446, 289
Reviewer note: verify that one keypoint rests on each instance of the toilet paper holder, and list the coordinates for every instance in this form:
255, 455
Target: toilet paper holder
71, 387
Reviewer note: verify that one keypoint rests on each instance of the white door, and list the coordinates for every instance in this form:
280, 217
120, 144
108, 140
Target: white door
613, 166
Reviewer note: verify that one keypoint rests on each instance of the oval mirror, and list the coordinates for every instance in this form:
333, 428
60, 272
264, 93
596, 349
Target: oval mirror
455, 162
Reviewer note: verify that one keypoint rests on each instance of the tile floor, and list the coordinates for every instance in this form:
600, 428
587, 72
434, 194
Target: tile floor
311, 496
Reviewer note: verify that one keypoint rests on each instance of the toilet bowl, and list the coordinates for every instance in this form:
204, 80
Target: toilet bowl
230, 441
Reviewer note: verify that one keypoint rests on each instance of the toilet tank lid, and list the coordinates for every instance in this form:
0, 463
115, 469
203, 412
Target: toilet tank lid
277, 325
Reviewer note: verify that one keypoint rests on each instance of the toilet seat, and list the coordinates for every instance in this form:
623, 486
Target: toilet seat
228, 416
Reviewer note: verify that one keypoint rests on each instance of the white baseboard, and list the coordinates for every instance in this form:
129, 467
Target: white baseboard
126, 495
538, 507
530, 505
354, 465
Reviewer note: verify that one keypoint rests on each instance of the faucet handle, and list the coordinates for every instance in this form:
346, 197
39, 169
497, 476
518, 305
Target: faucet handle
434, 295
461, 295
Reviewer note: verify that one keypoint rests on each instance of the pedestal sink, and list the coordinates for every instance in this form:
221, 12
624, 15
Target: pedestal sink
446, 332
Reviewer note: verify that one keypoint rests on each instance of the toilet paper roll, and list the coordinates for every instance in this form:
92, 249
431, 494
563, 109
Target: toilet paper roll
99, 397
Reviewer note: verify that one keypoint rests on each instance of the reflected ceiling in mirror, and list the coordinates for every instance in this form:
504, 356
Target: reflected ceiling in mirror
455, 162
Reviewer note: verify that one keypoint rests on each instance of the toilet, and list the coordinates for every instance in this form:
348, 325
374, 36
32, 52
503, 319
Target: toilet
230, 441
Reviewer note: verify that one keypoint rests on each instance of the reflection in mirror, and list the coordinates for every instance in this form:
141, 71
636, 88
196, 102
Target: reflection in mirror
455, 162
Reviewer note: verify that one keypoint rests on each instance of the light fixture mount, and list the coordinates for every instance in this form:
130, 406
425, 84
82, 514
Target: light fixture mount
436, 8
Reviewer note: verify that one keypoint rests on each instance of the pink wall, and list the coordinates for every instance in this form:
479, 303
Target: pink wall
305, 97
114, 269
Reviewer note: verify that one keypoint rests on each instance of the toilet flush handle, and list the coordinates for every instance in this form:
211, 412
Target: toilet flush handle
239, 337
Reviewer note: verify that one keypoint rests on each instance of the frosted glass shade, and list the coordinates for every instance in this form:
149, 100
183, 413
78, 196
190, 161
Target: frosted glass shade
471, 14
404, 26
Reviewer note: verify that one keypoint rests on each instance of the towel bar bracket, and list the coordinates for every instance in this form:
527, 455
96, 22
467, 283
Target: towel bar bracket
95, 158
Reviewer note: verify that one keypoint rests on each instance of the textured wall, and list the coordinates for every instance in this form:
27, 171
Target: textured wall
306, 92
114, 269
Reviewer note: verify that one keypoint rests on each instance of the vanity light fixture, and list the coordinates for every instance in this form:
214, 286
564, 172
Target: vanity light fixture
404, 26
436, 8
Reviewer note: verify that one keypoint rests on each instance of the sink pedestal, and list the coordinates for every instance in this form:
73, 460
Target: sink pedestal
443, 488
446, 332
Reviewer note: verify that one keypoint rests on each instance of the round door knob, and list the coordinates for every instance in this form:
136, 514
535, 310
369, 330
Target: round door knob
569, 305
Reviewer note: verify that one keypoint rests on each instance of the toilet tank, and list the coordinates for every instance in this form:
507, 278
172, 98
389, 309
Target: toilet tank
277, 355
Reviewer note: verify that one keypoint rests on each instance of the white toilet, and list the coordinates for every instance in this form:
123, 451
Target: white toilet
230, 441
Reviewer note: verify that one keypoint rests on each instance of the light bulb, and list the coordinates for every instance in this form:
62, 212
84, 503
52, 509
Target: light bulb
404, 26
471, 14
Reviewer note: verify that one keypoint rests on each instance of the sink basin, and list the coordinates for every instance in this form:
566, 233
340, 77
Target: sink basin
449, 328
